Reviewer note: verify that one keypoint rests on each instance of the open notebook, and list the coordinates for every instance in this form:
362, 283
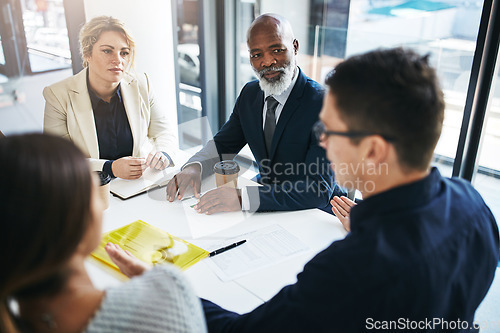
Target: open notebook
151, 178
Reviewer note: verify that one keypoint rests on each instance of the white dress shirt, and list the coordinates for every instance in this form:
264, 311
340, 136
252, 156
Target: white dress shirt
281, 98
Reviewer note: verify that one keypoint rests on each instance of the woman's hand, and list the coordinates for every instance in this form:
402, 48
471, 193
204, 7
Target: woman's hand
129, 167
157, 161
126, 262
341, 207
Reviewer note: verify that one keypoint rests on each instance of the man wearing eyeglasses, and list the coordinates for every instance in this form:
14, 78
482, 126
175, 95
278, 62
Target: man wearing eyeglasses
274, 116
422, 250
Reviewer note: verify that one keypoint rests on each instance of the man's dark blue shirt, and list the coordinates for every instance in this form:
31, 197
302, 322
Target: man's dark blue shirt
419, 252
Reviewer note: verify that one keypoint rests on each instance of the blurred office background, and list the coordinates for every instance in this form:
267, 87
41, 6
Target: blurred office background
195, 52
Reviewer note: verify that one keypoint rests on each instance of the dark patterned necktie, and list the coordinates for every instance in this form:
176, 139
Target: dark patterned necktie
270, 123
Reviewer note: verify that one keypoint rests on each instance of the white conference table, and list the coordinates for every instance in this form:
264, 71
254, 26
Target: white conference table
313, 227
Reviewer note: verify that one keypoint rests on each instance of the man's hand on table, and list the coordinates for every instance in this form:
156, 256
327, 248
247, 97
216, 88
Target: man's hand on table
190, 177
222, 199
341, 207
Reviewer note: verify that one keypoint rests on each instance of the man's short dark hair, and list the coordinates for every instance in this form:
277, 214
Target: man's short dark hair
393, 92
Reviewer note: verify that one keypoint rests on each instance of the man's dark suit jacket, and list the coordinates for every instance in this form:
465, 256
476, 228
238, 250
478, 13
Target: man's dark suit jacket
295, 174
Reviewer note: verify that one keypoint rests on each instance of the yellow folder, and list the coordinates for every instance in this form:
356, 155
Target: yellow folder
151, 245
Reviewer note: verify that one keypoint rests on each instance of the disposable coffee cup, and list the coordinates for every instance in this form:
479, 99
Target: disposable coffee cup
104, 179
226, 173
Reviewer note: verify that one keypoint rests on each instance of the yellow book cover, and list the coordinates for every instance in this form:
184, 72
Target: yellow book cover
151, 245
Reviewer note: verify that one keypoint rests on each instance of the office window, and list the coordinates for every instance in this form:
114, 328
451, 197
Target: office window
46, 35
447, 30
34, 37
487, 176
329, 31
189, 69
2, 56
34, 41
319, 26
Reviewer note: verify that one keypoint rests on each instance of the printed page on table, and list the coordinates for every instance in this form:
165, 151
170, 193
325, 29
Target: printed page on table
151, 245
202, 225
263, 248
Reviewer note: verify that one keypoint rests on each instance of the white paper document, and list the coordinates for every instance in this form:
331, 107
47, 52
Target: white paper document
264, 247
202, 225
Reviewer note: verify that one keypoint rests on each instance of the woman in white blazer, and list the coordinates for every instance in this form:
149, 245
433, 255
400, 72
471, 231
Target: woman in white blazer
106, 111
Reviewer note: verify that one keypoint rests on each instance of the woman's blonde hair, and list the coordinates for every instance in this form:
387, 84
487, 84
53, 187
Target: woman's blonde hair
92, 30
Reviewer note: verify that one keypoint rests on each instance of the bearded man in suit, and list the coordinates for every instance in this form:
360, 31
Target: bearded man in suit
274, 115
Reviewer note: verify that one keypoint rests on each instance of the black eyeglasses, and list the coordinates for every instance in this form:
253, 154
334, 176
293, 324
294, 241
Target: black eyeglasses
321, 133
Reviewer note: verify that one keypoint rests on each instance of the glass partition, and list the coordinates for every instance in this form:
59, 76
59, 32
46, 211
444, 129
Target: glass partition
46, 35
329, 31
189, 68
487, 176
334, 30
2, 56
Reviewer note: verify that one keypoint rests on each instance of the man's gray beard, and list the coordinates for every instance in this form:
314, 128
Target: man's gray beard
280, 83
